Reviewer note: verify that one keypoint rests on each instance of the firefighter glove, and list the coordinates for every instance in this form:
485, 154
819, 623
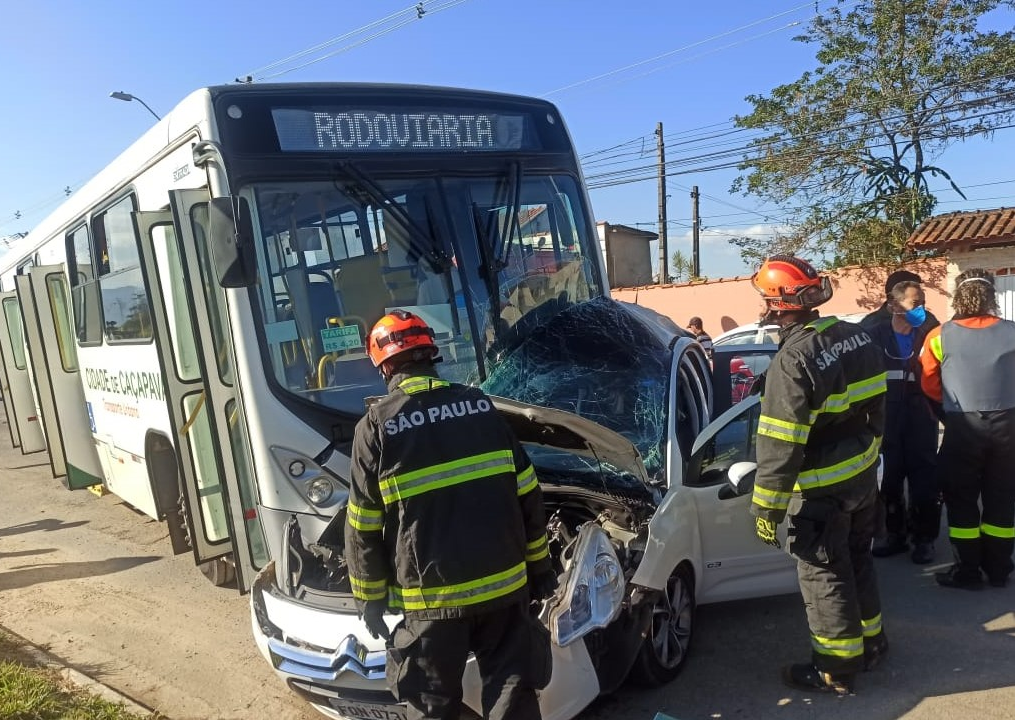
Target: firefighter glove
373, 616
543, 585
766, 531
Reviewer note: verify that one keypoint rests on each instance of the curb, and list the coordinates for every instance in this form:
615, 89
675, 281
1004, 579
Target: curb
77, 678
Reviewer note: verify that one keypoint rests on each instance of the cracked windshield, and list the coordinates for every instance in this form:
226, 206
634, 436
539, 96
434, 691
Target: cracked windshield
334, 256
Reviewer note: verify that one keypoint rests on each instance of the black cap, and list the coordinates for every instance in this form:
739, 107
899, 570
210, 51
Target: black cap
900, 276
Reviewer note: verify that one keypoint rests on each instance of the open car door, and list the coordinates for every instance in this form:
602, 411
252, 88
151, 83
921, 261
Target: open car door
53, 350
735, 562
19, 401
196, 357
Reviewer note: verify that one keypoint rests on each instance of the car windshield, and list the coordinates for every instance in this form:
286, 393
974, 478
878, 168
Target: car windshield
481, 259
599, 361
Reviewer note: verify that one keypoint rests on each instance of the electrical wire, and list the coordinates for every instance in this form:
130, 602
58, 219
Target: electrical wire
420, 11
695, 44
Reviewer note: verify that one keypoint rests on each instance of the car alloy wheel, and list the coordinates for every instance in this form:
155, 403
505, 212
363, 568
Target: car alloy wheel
665, 649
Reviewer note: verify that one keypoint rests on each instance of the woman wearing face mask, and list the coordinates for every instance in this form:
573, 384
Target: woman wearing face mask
909, 489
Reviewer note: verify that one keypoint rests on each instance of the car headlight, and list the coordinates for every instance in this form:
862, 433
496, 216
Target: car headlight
594, 590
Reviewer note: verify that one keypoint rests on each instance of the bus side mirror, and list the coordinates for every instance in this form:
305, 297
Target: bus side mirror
232, 241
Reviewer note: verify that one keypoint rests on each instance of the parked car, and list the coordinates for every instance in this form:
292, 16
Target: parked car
758, 334
617, 409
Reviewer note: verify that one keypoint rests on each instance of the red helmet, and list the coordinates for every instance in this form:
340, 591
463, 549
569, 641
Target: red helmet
398, 332
789, 283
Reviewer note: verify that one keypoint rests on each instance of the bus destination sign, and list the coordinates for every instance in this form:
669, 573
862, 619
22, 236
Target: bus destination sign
366, 130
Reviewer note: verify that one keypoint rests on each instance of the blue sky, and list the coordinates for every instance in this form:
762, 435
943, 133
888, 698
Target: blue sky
614, 69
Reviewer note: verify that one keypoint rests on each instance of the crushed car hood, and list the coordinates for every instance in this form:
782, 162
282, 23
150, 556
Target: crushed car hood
566, 431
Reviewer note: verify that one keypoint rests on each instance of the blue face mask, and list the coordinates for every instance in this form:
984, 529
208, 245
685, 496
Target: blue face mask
917, 316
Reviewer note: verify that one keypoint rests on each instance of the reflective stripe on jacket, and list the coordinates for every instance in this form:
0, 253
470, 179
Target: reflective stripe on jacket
822, 413
445, 514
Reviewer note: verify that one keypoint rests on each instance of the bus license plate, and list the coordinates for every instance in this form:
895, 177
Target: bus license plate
369, 711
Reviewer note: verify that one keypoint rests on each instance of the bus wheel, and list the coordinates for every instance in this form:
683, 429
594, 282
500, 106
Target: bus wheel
219, 571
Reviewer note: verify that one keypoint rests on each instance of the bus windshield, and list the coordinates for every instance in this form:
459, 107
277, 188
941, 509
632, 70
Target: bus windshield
484, 259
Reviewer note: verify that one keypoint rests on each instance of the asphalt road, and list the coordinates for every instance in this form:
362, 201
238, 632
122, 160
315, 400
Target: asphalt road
92, 582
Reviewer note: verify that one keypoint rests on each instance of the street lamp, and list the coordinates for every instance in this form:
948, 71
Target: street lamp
127, 97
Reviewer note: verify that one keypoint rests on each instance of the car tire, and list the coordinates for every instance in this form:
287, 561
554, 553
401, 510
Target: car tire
664, 652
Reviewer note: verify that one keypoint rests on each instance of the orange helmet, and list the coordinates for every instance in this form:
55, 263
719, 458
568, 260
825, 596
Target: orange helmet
789, 283
397, 332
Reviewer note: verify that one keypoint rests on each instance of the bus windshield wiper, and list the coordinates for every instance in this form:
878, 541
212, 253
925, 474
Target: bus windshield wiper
421, 240
510, 227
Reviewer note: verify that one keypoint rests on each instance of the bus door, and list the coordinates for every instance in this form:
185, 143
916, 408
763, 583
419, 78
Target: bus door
45, 403
68, 419
196, 357
19, 401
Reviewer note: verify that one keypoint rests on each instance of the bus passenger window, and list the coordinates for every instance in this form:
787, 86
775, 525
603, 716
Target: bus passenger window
124, 297
84, 287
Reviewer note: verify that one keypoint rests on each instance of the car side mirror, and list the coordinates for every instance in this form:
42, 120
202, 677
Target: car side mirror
741, 477
232, 241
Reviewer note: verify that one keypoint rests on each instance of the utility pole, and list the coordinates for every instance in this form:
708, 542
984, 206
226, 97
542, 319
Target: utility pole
663, 260
695, 255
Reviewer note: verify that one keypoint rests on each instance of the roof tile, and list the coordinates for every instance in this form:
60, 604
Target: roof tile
981, 228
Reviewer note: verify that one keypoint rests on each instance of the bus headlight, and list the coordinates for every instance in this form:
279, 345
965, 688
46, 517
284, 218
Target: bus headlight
594, 591
319, 490
317, 484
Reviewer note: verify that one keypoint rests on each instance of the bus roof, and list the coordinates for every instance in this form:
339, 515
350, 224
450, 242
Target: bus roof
193, 111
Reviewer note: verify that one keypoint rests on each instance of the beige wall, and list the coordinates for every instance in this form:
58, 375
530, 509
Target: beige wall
725, 304
998, 260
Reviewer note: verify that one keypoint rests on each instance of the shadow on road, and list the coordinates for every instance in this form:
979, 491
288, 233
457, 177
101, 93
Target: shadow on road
27, 575
46, 524
26, 553
26, 467
952, 656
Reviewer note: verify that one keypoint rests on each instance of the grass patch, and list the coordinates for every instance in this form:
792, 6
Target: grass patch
29, 691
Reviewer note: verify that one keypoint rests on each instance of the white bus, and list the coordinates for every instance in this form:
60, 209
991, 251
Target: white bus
187, 331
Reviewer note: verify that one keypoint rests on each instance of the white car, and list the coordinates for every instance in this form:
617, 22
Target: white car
615, 406
758, 334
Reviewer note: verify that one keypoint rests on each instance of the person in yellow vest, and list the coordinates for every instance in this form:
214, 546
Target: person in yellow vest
446, 524
968, 364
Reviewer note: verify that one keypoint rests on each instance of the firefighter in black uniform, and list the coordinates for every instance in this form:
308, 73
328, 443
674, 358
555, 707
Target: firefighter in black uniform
822, 419
910, 443
446, 524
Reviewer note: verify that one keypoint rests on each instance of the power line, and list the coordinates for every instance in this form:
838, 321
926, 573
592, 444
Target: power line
758, 132
411, 13
332, 41
677, 50
598, 180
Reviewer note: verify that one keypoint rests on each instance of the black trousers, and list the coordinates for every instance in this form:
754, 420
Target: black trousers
426, 659
910, 450
977, 468
830, 537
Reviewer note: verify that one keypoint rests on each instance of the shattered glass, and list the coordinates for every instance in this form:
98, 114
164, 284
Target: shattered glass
602, 361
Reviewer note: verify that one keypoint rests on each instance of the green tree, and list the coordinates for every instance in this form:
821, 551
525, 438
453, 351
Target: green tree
852, 144
680, 266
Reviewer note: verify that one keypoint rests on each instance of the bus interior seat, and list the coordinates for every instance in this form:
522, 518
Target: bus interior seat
361, 288
401, 284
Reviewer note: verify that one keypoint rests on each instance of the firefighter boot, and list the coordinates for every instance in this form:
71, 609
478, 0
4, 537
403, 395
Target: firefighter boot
875, 650
891, 544
960, 577
806, 677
